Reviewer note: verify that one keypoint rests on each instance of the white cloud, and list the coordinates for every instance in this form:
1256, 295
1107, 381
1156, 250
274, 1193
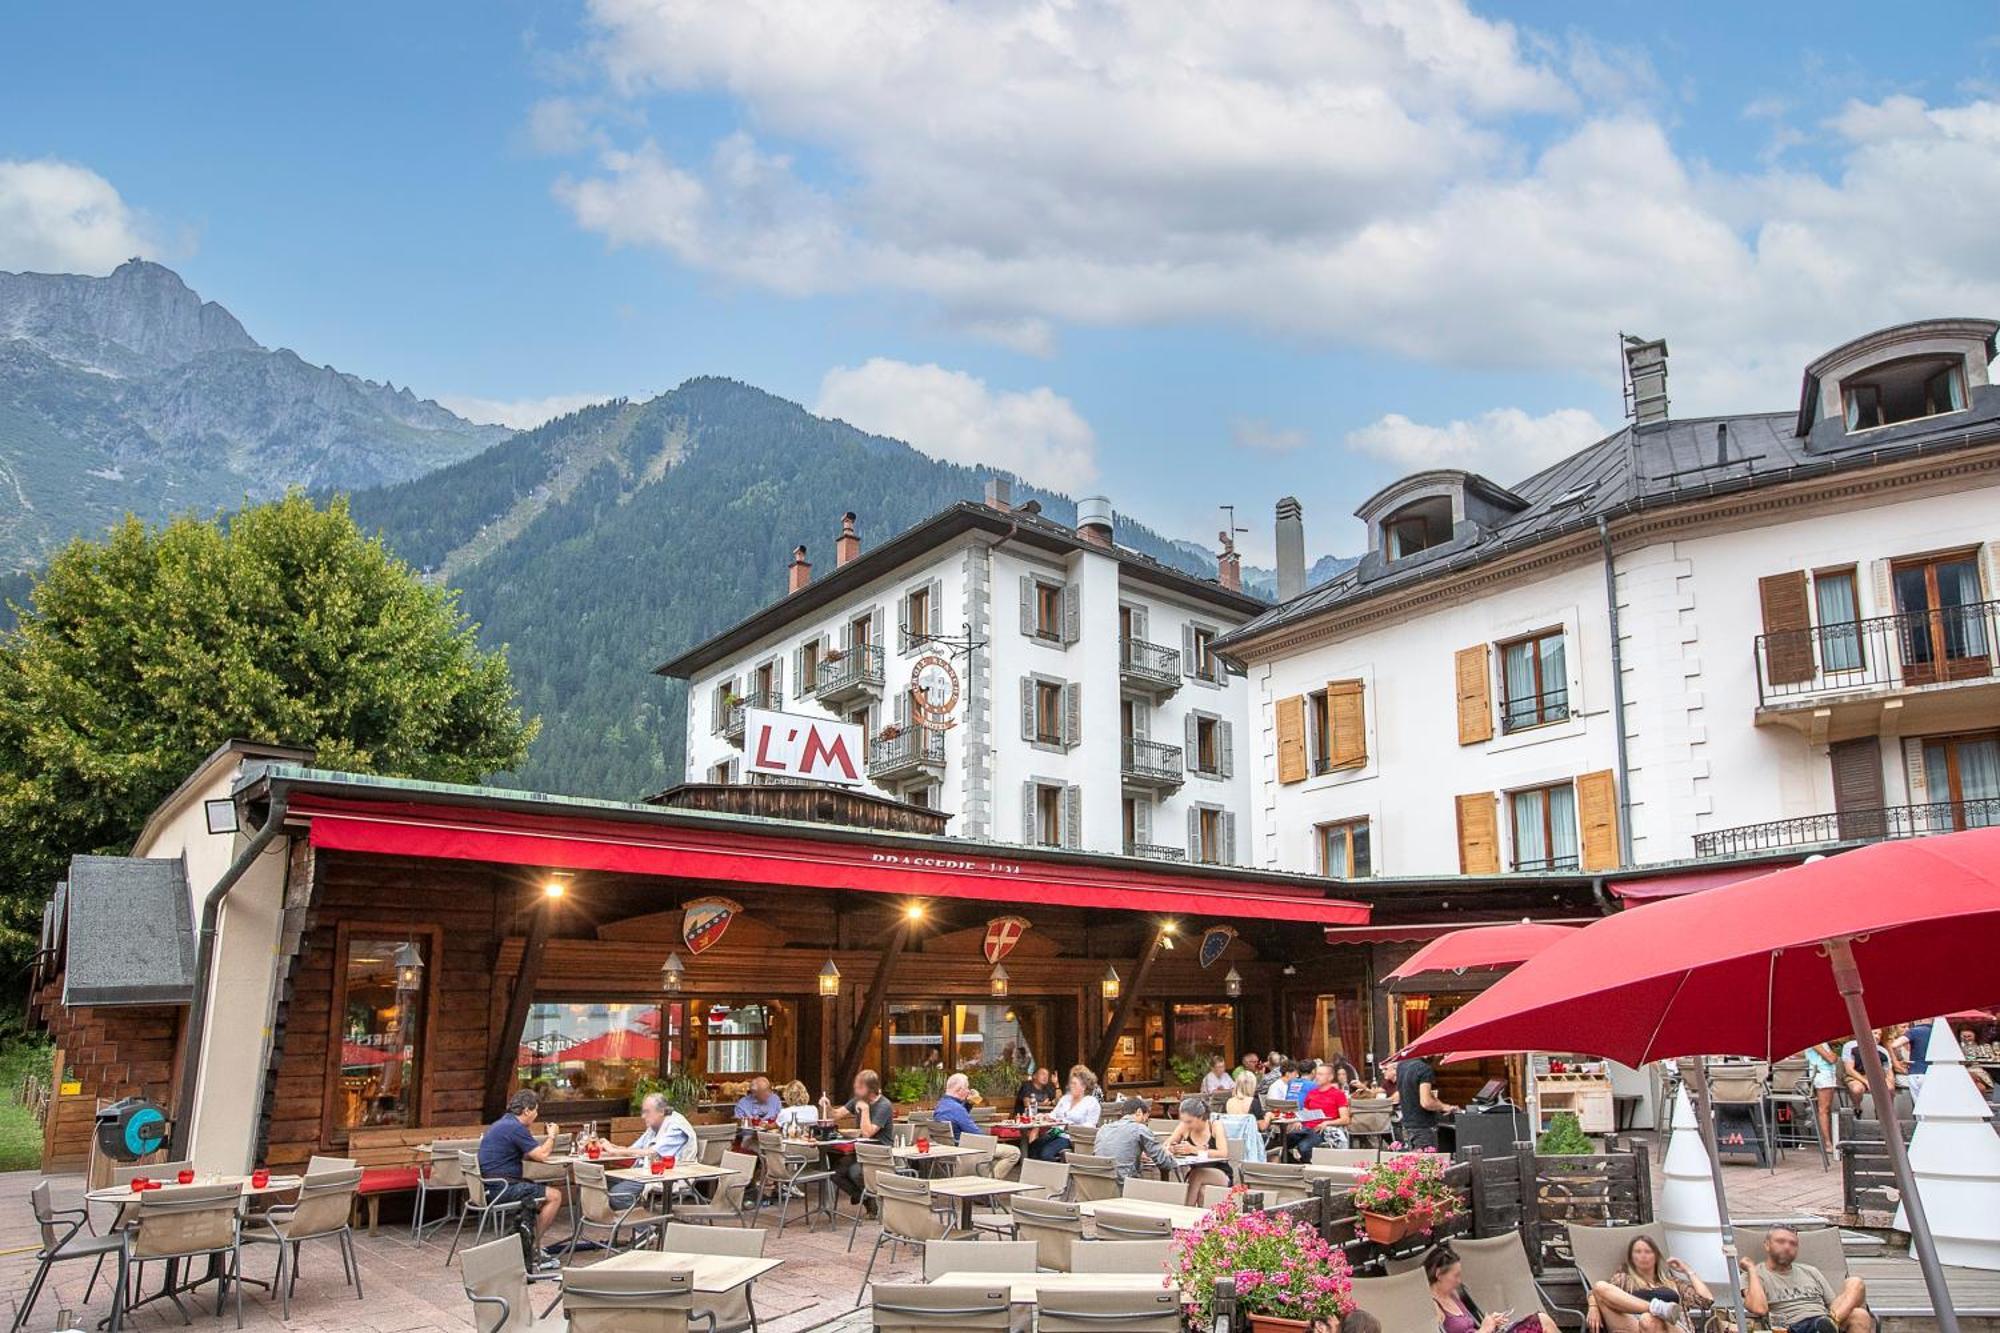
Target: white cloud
1504, 444
518, 413
1261, 436
949, 414
57, 217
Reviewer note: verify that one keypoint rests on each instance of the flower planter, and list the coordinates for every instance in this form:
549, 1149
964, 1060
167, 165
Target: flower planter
1386, 1230
1270, 1323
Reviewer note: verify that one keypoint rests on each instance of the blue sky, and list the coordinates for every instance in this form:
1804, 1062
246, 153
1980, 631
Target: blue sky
1143, 251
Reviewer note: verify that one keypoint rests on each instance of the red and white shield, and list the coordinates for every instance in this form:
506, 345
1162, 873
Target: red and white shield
705, 919
1002, 934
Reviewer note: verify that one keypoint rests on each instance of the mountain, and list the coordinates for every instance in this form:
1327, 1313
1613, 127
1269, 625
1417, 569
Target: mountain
1264, 582
131, 393
608, 540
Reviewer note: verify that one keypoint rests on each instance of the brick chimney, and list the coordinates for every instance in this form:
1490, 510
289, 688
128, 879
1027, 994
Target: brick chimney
800, 571
999, 494
848, 544
1229, 565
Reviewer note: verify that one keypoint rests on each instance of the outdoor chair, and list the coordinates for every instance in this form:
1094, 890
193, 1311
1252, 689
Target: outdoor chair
66, 1236
496, 1282
978, 1256
1212, 1195
1218, 1101
190, 1222
1819, 1246
1121, 1256
1498, 1277
908, 1218
1597, 1251
1092, 1178
1742, 1084
1082, 1138
920, 1309
323, 1210
731, 1311
1081, 1309
444, 1175
601, 1220
1109, 1223
1278, 1182
1280, 1105
876, 1161
124, 1175
1155, 1191
479, 1192
1240, 1133
730, 1199
981, 1165
711, 1141
788, 1177
317, 1165
985, 1115
1055, 1228
1370, 1118
607, 1300
1791, 1092
1402, 1301
1344, 1156
1048, 1181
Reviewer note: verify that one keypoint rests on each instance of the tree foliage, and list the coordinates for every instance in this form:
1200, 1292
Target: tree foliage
138, 655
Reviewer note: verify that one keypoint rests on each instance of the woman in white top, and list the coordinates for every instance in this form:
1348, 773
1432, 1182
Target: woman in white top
1078, 1106
797, 1110
1218, 1079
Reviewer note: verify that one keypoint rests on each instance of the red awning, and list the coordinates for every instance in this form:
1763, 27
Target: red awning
1650, 887
1420, 931
571, 842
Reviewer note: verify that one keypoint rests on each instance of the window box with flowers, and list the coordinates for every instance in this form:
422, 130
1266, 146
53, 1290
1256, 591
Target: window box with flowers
1285, 1275
1404, 1194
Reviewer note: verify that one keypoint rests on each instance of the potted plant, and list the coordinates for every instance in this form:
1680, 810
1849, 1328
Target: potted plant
1187, 1068
1404, 1194
1286, 1276
890, 732
1564, 1138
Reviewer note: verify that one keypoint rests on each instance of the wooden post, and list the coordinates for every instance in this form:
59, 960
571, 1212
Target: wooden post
1477, 1192
871, 1012
1531, 1203
500, 1068
1322, 1195
1128, 996
1225, 1305
1642, 1175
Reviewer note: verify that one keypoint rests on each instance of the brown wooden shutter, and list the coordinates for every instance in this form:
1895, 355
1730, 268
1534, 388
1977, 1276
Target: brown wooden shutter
1479, 834
1347, 716
1475, 696
1597, 820
1857, 786
1292, 738
1788, 655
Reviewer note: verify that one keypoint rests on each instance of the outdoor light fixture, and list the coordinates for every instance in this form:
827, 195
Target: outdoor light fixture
996, 980
671, 973
829, 980
1291, 971
221, 814
1232, 985
1110, 983
556, 886
409, 968
1167, 934
914, 912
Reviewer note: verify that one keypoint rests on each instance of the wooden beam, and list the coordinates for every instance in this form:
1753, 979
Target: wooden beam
1128, 996
871, 1013
500, 1068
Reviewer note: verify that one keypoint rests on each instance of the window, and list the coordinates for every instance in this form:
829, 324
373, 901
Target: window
1943, 623
723, 773
1545, 828
1048, 814
1207, 734
923, 794
1202, 1031
589, 1052
724, 1037
1903, 391
1839, 620
380, 1036
1048, 611
1536, 681
861, 631
1319, 721
763, 686
1962, 779
996, 1033
1344, 851
1128, 813
1209, 848
1205, 665
738, 1038
1049, 712
915, 1034
1417, 526
808, 666
917, 616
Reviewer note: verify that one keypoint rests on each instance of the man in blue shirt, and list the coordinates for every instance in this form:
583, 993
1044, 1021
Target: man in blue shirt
953, 1110
667, 1134
759, 1105
509, 1142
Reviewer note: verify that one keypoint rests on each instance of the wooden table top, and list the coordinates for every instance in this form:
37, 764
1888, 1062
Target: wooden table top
678, 1171
1027, 1287
125, 1194
714, 1274
1178, 1215
938, 1150
976, 1187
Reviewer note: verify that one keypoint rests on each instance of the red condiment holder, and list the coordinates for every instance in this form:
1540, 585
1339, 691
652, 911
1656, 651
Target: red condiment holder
923, 1145
138, 1184
593, 1152
185, 1177
657, 1166
260, 1178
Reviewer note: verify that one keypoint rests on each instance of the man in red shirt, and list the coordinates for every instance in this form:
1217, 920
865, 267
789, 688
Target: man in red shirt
1329, 1131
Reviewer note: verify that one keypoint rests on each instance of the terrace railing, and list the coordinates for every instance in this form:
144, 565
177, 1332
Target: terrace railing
1908, 650
1149, 665
1869, 825
1151, 762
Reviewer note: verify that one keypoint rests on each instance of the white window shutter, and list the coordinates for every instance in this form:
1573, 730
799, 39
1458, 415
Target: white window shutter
799, 672
903, 622
1187, 651
1225, 746
1027, 606
1072, 613
902, 706
1229, 837
1885, 591
1142, 821
875, 630
1191, 724
777, 682
1072, 833
1139, 623
1142, 720
1029, 833
1914, 775
1194, 834
1073, 714
1027, 708
936, 601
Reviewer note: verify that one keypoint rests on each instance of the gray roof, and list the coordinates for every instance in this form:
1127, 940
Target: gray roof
1639, 468
131, 932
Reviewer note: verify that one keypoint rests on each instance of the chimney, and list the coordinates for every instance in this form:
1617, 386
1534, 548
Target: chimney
1093, 520
799, 571
1291, 534
1229, 565
999, 494
848, 545
1645, 380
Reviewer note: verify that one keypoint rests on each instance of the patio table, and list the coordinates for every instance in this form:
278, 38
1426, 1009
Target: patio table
967, 1189
1026, 1288
1179, 1215
714, 1274
122, 1194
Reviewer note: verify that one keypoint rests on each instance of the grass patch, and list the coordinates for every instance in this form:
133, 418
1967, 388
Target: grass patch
20, 1133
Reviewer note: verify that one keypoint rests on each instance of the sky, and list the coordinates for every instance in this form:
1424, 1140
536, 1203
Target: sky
1180, 254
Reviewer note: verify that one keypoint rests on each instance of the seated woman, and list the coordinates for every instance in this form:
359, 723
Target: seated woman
1244, 1116
1646, 1294
1197, 1134
798, 1110
1456, 1311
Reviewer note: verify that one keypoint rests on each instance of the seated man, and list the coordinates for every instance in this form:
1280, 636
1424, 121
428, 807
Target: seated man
506, 1144
1323, 1117
758, 1106
873, 1114
1797, 1297
667, 1134
1130, 1137
953, 1111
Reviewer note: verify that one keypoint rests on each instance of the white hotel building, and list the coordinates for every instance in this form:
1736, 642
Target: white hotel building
1092, 713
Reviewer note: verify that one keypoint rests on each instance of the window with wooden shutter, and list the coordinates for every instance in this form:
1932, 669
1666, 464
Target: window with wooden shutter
1028, 605
1597, 820
1857, 786
1348, 714
1225, 747
1027, 708
1190, 666
1475, 695
1228, 820
1072, 613
1194, 833
1788, 652
1072, 834
1072, 731
1291, 715
1479, 834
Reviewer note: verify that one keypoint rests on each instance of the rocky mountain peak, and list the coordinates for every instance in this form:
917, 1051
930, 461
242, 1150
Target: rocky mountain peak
139, 319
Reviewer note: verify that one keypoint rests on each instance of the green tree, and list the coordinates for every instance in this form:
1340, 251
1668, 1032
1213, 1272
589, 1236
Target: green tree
137, 655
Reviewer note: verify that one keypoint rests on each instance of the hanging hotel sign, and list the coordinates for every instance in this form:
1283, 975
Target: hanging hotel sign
1215, 942
816, 749
933, 692
704, 921
1002, 934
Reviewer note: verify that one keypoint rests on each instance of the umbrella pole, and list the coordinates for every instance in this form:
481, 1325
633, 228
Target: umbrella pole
1699, 1078
1847, 977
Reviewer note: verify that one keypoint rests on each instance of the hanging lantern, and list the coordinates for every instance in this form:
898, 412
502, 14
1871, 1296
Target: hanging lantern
671, 973
1232, 984
409, 969
996, 980
1110, 983
829, 980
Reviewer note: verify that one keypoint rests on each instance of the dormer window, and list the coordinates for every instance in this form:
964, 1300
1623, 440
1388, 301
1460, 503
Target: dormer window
1903, 391
1416, 527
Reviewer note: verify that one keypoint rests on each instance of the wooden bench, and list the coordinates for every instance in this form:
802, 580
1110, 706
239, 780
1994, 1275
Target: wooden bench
390, 1163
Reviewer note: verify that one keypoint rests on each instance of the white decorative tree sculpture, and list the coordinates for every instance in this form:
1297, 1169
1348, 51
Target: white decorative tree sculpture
1687, 1201
1955, 1157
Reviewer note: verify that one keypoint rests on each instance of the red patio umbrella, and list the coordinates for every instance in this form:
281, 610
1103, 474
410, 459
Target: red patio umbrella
617, 1044
353, 1053
1482, 947
1890, 933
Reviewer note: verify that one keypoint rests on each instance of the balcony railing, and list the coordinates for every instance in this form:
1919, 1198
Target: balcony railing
1156, 851
1149, 665
1902, 651
1869, 825
732, 721
1151, 762
855, 672
1534, 710
910, 750
1547, 863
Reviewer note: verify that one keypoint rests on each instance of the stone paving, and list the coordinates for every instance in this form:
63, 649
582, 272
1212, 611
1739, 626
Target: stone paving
409, 1289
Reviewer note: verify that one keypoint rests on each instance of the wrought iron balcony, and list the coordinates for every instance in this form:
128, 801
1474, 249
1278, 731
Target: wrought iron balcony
1149, 667
849, 674
1870, 825
1534, 710
1155, 851
906, 753
1904, 651
732, 722
1151, 764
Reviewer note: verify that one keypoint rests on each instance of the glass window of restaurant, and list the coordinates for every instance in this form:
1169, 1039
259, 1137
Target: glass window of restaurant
589, 1051
969, 1036
724, 1041
380, 1035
